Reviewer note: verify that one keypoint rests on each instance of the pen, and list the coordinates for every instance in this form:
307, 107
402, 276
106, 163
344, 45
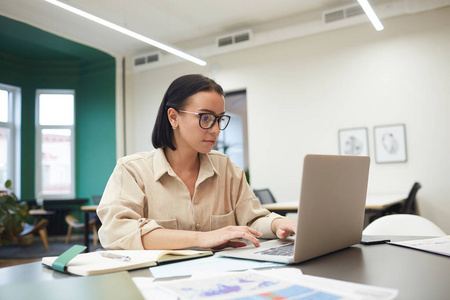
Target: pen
115, 256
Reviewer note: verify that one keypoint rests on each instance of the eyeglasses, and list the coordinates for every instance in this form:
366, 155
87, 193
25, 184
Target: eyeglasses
207, 120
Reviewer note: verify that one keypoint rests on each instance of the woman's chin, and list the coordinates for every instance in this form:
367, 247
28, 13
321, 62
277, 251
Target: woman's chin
205, 149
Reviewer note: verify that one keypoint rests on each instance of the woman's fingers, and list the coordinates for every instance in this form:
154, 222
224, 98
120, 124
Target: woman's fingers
250, 237
254, 231
283, 227
233, 244
247, 233
236, 244
223, 237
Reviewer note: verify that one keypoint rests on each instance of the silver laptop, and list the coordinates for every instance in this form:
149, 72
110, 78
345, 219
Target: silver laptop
330, 214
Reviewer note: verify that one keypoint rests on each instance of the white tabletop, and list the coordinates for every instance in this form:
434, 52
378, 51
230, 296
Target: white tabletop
373, 201
379, 201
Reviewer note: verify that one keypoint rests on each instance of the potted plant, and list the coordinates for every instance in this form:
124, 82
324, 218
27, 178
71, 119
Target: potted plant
12, 214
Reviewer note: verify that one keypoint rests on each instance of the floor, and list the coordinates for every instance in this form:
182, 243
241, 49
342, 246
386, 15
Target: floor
14, 262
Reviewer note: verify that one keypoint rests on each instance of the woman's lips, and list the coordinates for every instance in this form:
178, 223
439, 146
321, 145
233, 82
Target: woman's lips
212, 142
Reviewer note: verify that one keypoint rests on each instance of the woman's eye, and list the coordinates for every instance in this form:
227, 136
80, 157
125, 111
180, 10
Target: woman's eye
206, 118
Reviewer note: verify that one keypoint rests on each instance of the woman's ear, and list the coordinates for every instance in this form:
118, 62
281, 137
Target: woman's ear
172, 114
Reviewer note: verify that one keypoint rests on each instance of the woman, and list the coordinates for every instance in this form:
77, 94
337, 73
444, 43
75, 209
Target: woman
183, 194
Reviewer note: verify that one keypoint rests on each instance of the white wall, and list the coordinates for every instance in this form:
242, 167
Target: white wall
301, 92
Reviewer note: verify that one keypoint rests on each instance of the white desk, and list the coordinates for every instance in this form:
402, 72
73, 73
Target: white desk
380, 201
373, 202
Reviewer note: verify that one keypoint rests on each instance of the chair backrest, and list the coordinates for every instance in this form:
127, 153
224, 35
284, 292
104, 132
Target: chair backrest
409, 207
96, 199
70, 220
264, 196
403, 224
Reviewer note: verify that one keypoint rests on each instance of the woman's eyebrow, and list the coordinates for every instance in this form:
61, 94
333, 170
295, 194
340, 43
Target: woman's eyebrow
210, 111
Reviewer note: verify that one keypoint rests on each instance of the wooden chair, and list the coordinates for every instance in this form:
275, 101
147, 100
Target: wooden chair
74, 223
40, 227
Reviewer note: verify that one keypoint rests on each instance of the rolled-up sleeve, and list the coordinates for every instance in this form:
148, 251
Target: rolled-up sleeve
122, 212
249, 211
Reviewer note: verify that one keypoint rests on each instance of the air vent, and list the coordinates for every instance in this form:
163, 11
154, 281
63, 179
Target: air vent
225, 41
234, 38
243, 37
342, 13
334, 16
354, 11
139, 61
153, 58
146, 59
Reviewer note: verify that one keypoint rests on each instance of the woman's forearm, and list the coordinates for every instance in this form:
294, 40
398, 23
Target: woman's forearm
161, 239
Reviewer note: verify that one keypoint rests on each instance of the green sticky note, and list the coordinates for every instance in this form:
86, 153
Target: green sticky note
60, 263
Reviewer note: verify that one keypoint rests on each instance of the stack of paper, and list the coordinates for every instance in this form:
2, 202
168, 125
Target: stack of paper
284, 283
439, 245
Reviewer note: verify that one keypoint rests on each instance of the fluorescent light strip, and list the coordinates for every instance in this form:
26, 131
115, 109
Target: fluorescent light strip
371, 15
128, 32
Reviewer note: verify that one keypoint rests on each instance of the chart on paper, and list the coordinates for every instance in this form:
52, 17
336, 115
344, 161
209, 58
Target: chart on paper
245, 286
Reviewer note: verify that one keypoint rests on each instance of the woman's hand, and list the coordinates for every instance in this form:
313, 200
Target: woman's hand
283, 227
222, 238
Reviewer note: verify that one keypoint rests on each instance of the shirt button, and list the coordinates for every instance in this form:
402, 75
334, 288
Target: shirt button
197, 226
195, 201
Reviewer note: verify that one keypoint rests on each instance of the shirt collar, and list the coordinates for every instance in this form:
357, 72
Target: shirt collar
207, 168
161, 166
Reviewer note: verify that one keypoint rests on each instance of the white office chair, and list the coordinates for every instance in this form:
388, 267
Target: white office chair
403, 224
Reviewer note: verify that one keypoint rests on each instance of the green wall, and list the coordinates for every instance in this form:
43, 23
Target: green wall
96, 130
34, 59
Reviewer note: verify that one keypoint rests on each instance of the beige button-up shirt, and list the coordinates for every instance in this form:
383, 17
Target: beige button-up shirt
144, 193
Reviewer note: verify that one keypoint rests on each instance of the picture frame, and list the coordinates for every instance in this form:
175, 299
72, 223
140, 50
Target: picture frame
354, 141
390, 143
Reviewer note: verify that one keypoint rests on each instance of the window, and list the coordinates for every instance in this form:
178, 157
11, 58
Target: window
55, 144
233, 140
9, 136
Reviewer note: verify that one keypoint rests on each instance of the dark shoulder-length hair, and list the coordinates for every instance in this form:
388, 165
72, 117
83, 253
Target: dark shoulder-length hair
175, 97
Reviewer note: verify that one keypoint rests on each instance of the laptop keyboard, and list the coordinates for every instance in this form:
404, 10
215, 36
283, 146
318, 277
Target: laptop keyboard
285, 250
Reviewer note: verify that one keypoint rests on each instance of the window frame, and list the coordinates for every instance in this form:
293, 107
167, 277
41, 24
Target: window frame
38, 150
14, 140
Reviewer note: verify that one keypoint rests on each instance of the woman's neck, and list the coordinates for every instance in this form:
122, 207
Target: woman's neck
186, 166
182, 161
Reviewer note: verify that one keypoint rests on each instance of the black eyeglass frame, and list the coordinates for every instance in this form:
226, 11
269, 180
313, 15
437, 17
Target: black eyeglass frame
200, 115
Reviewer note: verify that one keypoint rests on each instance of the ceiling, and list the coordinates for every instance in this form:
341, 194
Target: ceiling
20, 41
169, 21
187, 25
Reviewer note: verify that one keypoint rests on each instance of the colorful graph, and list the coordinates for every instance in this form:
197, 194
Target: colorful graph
254, 286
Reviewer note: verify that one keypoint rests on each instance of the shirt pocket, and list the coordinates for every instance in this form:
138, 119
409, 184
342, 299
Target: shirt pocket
220, 221
168, 224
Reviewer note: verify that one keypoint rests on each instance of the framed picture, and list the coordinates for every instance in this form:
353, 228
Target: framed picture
390, 143
353, 142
